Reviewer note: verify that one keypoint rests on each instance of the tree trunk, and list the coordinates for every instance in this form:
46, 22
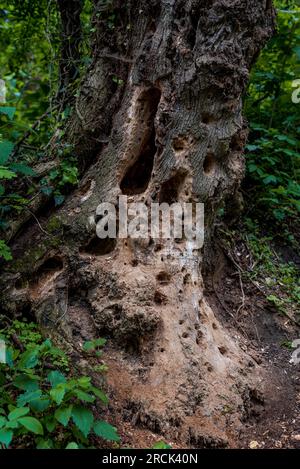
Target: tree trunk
158, 118
69, 63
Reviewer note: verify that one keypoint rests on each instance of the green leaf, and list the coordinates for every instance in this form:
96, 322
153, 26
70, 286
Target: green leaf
26, 382
83, 419
5, 252
9, 111
44, 444
50, 423
2, 421
58, 200
6, 147
9, 351
252, 147
55, 378
100, 394
63, 415
72, 445
12, 424
32, 424
40, 404
46, 346
58, 393
92, 344
5, 436
28, 397
269, 179
84, 382
47, 190
6, 173
29, 359
18, 412
83, 396
106, 431
23, 169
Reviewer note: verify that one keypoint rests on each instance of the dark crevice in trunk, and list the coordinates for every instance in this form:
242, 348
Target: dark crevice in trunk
209, 164
138, 175
170, 189
99, 247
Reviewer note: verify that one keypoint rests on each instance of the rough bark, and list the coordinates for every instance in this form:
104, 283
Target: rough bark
172, 129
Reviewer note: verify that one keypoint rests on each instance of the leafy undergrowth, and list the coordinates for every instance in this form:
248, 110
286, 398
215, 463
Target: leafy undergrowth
258, 260
272, 106
42, 404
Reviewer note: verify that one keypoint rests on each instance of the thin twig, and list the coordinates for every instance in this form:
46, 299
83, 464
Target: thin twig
241, 307
39, 225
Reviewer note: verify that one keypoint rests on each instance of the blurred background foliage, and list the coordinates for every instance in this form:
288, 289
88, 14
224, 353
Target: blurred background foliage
271, 188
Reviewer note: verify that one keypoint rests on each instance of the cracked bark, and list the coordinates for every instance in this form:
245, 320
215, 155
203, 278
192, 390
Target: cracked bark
171, 130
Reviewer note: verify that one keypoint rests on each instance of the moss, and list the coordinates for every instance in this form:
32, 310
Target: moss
54, 224
28, 262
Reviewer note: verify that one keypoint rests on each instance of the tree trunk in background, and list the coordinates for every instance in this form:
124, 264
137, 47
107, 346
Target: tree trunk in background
158, 118
71, 36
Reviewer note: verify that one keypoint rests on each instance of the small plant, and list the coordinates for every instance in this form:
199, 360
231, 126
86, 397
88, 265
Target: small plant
40, 406
161, 445
5, 251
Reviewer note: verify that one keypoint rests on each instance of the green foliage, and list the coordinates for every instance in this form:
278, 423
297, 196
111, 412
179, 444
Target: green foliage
279, 280
39, 403
5, 252
30, 36
273, 163
9, 169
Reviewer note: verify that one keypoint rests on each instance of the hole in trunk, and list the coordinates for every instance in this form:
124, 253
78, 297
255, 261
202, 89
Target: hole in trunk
138, 175
160, 298
99, 247
209, 164
180, 143
207, 118
170, 189
163, 278
236, 143
50, 267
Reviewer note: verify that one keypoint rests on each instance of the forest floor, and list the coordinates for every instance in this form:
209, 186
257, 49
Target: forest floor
274, 420
241, 304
